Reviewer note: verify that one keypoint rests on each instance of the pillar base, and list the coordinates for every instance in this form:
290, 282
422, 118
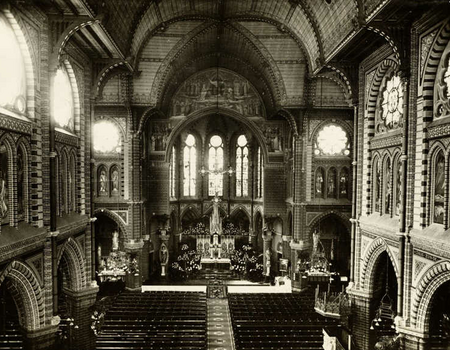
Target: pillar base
79, 305
41, 339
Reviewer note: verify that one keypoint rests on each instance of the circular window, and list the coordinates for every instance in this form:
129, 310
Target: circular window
332, 140
190, 140
106, 137
242, 141
216, 141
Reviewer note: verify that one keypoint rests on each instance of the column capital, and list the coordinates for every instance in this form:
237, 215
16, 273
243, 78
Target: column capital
133, 244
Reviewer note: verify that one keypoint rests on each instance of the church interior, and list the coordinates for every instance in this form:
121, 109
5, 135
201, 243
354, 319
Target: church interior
225, 174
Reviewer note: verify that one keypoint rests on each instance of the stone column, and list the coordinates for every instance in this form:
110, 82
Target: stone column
134, 247
361, 319
267, 252
42, 338
164, 252
79, 307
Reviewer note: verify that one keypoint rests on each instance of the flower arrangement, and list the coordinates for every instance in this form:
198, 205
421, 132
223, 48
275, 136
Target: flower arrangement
244, 261
198, 229
187, 264
231, 230
133, 266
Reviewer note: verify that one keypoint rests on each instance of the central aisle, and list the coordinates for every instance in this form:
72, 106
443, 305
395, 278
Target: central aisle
218, 325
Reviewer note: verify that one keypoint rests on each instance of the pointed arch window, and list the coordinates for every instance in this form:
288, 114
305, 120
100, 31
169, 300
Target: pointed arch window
102, 181
22, 173
438, 188
190, 166
320, 183
12, 70
331, 183
62, 100
215, 166
398, 186
114, 180
71, 185
242, 167
387, 173
172, 168
259, 173
343, 183
376, 185
4, 185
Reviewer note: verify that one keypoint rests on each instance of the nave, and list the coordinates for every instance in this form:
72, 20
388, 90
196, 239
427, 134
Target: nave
178, 317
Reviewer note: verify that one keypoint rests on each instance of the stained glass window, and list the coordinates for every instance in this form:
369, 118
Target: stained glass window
190, 166
439, 188
332, 140
343, 183
259, 174
172, 173
241, 167
71, 184
4, 184
215, 166
62, 100
12, 71
376, 184
388, 186
106, 137
21, 185
392, 103
331, 183
320, 178
398, 187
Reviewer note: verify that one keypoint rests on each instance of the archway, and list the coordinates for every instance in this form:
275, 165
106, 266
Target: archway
439, 326
9, 315
384, 293
27, 294
335, 239
111, 260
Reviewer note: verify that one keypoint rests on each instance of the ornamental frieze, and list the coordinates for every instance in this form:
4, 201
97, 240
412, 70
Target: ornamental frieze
14, 124
70, 140
386, 141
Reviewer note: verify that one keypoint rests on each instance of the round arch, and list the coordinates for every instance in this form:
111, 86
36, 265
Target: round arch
116, 218
193, 117
30, 64
373, 252
345, 220
433, 278
31, 306
73, 255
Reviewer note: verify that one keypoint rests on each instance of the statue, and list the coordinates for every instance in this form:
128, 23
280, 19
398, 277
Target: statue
163, 254
115, 180
115, 241
103, 181
216, 220
316, 238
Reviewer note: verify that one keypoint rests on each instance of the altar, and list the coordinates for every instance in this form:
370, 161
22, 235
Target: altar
215, 247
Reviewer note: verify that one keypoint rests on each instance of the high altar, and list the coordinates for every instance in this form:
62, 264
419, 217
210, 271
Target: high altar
215, 247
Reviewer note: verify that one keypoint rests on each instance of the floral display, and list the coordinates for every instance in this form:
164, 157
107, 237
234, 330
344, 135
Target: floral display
187, 263
246, 263
231, 230
199, 229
